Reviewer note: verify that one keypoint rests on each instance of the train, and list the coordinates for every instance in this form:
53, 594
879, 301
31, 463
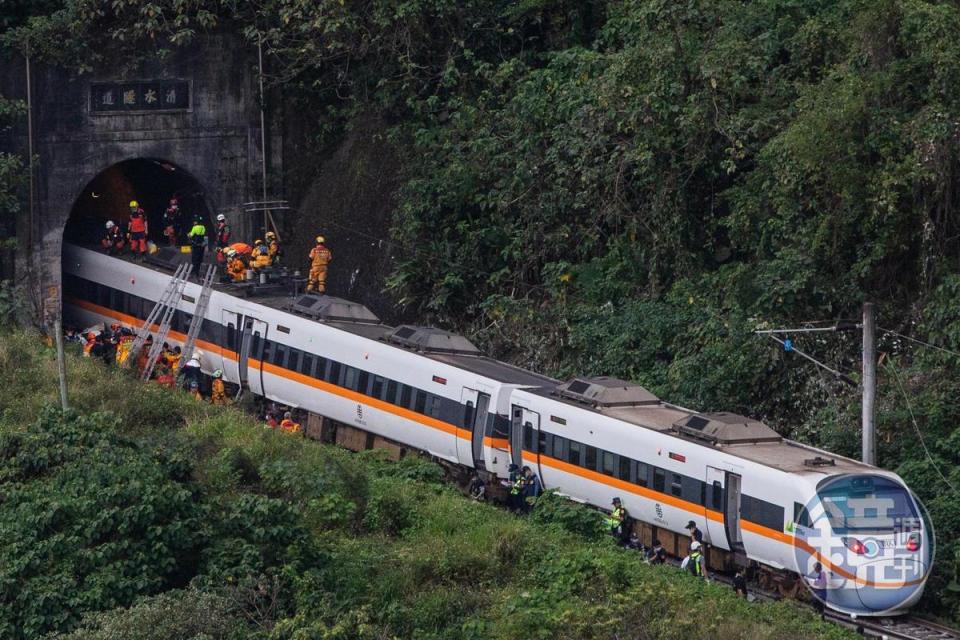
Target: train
759, 499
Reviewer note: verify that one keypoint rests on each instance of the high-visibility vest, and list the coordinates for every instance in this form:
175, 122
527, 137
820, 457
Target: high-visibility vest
616, 518
517, 486
198, 235
138, 223
694, 565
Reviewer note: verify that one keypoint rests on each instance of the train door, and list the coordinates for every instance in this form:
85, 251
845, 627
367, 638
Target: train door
476, 405
252, 348
229, 351
524, 429
731, 514
716, 533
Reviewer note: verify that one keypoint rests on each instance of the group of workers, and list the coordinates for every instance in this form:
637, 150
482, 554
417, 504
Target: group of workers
237, 258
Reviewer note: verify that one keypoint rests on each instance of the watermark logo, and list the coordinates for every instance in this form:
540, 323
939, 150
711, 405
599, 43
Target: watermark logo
863, 545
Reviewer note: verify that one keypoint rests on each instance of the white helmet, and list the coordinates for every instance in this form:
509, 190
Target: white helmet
221, 218
197, 355
110, 224
694, 545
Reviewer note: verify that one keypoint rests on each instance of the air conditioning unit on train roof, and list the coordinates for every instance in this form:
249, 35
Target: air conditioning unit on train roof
604, 391
429, 339
725, 428
330, 309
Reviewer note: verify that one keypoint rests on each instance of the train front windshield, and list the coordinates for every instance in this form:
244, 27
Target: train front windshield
867, 503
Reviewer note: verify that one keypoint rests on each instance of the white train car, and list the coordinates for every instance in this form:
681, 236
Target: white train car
754, 495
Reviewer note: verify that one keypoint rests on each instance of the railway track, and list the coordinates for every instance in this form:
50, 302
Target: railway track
900, 628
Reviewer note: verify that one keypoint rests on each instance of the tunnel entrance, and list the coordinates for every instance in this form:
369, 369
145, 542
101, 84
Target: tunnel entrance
151, 182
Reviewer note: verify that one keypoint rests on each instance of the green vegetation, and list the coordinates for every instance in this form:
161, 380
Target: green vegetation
631, 187
144, 514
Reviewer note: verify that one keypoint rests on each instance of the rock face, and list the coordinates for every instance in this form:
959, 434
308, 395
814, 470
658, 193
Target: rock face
85, 125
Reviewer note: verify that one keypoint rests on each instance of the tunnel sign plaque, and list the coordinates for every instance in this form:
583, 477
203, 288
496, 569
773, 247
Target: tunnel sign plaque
155, 95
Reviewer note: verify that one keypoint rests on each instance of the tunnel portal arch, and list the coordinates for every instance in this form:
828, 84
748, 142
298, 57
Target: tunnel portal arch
152, 182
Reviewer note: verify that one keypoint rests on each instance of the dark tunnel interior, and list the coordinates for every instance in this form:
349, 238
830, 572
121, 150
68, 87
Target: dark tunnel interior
148, 181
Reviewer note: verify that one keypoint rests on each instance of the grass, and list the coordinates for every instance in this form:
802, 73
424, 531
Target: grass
393, 552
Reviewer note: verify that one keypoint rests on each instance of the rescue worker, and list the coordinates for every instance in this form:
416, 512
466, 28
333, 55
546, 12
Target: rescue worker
198, 243
695, 561
261, 255
113, 242
195, 391
222, 238
273, 246
287, 425
695, 533
740, 583
617, 522
171, 219
123, 346
218, 392
191, 370
236, 267
164, 377
320, 257
531, 488
172, 360
656, 554
137, 229
271, 420
516, 490
88, 345
144, 354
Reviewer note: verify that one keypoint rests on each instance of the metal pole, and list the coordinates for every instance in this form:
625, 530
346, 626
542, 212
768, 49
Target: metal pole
869, 383
263, 126
29, 247
61, 363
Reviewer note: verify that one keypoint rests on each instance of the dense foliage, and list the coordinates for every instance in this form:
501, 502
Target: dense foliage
210, 526
630, 188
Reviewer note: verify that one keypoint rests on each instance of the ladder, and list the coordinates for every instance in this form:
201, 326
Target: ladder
197, 321
162, 311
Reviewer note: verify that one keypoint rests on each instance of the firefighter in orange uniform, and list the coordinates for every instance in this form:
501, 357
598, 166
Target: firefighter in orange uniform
287, 425
320, 257
218, 393
137, 229
273, 248
236, 268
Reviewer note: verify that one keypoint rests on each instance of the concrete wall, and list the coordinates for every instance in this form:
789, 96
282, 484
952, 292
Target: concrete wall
218, 141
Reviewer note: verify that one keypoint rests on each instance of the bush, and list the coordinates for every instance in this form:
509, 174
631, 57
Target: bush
556, 511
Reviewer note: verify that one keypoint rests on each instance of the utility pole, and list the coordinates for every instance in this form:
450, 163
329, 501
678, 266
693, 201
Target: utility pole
61, 363
869, 383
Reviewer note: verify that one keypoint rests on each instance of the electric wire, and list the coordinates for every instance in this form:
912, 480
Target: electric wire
920, 342
916, 426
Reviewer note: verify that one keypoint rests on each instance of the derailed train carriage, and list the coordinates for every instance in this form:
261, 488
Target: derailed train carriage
758, 498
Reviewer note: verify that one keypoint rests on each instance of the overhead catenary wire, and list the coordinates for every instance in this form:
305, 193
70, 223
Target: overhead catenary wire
839, 374
920, 342
916, 426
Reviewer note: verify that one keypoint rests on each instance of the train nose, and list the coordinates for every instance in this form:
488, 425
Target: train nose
890, 584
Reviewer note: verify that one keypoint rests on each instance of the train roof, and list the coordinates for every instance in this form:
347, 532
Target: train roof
618, 399
733, 434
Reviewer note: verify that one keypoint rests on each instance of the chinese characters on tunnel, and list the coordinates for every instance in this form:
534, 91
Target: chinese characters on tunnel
159, 95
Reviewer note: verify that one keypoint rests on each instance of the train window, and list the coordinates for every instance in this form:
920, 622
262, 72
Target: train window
321, 369
468, 414
230, 339
350, 378
626, 465
761, 512
420, 403
676, 484
559, 448
801, 516
363, 382
283, 329
717, 496
377, 390
391, 392
279, 355
333, 376
255, 346
659, 479
643, 473
609, 465
575, 455
405, 393
306, 365
528, 436
434, 406
267, 349
544, 442
591, 458
293, 360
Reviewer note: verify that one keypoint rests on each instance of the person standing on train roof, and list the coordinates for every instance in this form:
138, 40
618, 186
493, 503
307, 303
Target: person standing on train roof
273, 248
221, 235
171, 222
198, 243
137, 229
320, 256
